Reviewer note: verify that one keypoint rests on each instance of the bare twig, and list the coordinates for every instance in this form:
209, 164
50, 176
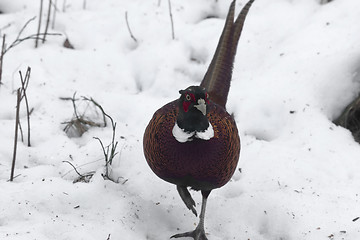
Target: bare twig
74, 105
18, 36
2, 56
21, 131
47, 21
32, 36
16, 134
73, 100
84, 4
172, 22
18, 40
101, 109
24, 84
39, 26
27, 78
25, 25
128, 27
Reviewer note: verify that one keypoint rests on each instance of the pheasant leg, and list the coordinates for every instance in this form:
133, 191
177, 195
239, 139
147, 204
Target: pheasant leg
199, 232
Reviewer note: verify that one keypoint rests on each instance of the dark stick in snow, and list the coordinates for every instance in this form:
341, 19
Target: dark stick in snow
16, 134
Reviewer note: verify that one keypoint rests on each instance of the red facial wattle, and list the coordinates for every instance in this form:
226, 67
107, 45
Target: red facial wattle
189, 97
186, 105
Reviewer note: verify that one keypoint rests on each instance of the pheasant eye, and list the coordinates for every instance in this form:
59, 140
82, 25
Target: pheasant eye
188, 97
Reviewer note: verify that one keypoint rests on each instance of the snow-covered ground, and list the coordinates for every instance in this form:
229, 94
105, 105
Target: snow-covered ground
296, 69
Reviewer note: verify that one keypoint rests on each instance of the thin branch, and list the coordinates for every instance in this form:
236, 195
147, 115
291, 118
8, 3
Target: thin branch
100, 107
172, 22
21, 131
32, 36
24, 84
27, 76
35, 36
25, 25
47, 22
39, 26
128, 27
16, 135
2, 56
74, 105
73, 100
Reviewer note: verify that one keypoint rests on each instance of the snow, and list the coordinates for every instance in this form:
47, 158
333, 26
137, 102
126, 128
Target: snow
296, 68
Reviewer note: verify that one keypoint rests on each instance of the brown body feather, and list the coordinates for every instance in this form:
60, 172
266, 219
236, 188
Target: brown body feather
200, 164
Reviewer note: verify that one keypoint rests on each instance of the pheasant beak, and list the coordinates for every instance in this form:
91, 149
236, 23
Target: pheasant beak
201, 106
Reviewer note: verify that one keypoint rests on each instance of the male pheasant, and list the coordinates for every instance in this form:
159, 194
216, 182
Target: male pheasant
193, 141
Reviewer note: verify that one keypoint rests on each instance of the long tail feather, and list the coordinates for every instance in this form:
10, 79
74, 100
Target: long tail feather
218, 76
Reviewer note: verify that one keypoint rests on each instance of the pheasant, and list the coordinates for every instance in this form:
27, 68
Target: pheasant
193, 141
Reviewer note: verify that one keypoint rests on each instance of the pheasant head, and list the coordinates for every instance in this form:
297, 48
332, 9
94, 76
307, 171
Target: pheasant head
192, 121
